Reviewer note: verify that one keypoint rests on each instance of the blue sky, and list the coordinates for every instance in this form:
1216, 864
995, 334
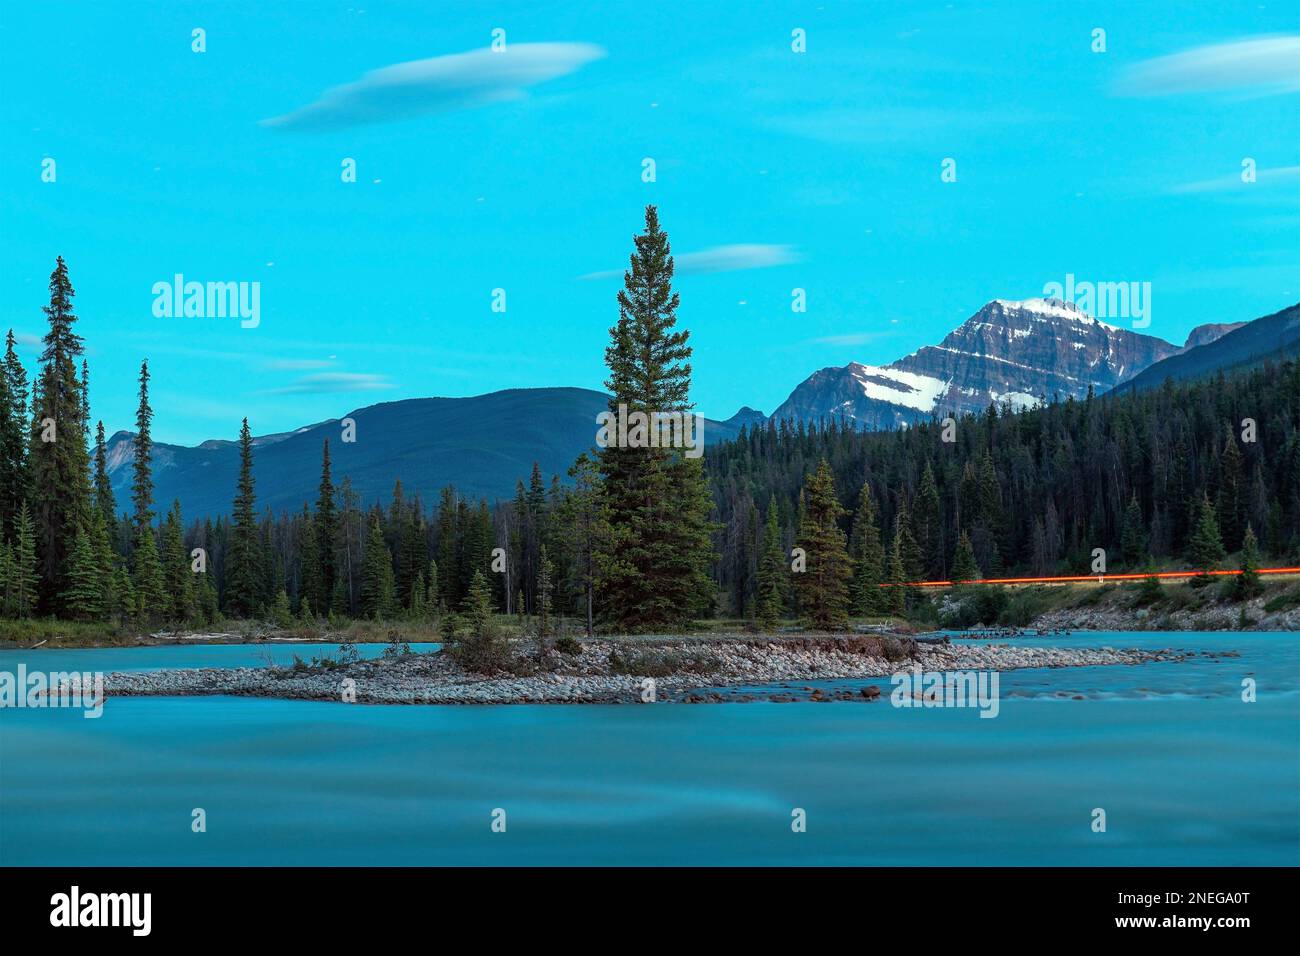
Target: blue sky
525, 174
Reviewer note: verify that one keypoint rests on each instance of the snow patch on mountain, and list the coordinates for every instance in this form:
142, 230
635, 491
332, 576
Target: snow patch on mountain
897, 386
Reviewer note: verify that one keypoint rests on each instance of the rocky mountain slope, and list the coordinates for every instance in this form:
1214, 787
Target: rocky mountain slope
1007, 352
1275, 337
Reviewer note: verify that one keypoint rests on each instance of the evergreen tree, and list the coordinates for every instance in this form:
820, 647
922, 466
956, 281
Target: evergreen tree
24, 579
13, 445
1205, 548
868, 557
417, 601
544, 588
478, 606
964, 567
312, 599
1150, 590
771, 572
824, 585
6, 579
926, 526
906, 546
104, 499
434, 596
654, 569
124, 595
897, 590
448, 550
107, 562
243, 567
281, 612
585, 518
178, 579
1133, 537
84, 593
58, 462
321, 588
141, 475
1228, 500
1247, 583
152, 603
378, 592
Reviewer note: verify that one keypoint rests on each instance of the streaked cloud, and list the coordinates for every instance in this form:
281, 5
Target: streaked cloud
1261, 66
26, 340
298, 365
439, 84
851, 338
735, 258
325, 383
1263, 177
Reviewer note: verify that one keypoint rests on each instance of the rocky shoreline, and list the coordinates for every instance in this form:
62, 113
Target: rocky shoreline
625, 672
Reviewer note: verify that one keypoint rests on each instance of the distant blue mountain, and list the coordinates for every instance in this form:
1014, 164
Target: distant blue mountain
482, 445
1275, 336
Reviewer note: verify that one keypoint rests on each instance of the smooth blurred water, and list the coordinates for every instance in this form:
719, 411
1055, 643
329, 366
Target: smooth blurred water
1187, 773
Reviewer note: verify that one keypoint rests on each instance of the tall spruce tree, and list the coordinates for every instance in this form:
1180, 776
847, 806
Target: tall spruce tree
823, 585
141, 472
964, 566
926, 525
655, 565
311, 598
177, 576
1228, 501
868, 553
326, 537
25, 579
378, 593
13, 438
243, 565
83, 596
771, 571
1205, 547
104, 498
1133, 536
1247, 583
58, 461
152, 601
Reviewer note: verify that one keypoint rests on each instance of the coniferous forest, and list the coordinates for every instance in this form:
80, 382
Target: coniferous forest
787, 520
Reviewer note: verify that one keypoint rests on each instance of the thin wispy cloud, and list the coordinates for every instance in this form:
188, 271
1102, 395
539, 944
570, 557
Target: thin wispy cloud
27, 340
851, 338
439, 84
298, 365
735, 258
1260, 66
327, 383
1263, 177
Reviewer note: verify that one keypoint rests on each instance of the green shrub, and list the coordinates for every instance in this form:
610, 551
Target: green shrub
1283, 602
569, 645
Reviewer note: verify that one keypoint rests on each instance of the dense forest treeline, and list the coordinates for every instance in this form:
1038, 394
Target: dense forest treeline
786, 519
1032, 492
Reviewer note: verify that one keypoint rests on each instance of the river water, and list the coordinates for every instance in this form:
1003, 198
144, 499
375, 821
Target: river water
1186, 772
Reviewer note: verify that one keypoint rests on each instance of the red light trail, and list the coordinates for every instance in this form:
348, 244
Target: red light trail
1097, 578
